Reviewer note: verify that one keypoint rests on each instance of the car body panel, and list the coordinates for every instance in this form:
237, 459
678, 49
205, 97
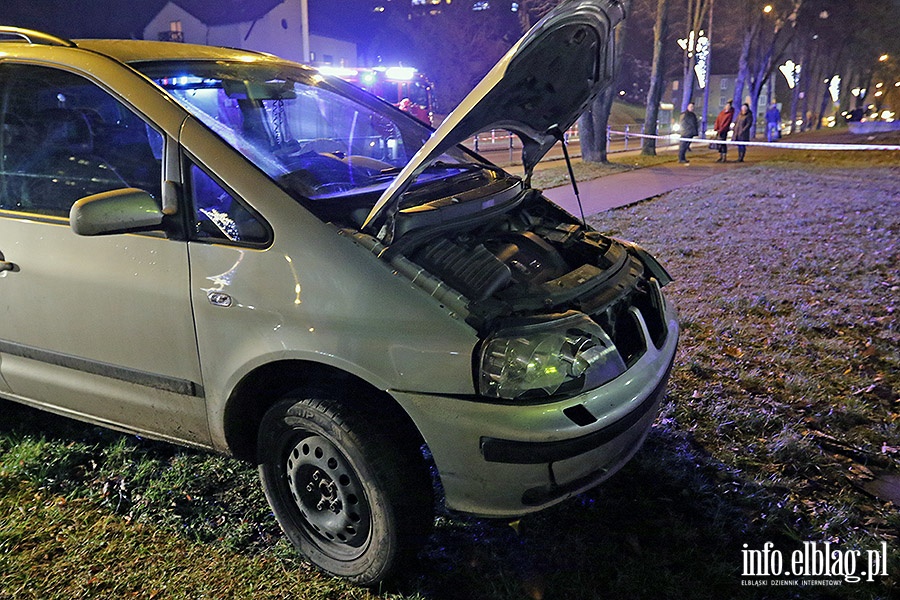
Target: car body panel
286, 308
128, 295
141, 290
299, 309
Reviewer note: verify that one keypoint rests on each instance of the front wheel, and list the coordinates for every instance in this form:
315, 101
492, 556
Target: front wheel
352, 495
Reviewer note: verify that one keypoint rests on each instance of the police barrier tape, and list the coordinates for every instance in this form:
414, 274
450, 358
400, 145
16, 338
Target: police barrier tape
788, 145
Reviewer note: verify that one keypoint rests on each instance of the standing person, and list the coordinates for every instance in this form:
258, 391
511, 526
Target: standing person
690, 127
743, 127
773, 122
723, 124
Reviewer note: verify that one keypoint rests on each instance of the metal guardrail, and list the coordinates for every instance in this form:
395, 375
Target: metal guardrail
619, 138
631, 136
504, 148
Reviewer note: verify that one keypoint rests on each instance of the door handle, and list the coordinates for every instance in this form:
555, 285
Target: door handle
6, 265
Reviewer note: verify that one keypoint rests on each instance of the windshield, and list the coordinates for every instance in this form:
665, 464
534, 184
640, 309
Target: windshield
317, 137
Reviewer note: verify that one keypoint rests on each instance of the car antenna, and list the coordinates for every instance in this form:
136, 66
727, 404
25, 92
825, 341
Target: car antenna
558, 133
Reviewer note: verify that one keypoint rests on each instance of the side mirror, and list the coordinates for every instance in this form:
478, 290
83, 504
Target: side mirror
116, 211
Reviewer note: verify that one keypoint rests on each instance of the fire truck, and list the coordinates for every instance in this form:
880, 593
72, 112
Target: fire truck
404, 87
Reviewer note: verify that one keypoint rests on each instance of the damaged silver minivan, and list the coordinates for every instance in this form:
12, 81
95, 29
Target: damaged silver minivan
229, 251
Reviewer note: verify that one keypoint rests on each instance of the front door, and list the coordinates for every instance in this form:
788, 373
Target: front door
95, 327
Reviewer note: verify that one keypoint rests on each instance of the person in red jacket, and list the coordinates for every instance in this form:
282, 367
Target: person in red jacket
723, 124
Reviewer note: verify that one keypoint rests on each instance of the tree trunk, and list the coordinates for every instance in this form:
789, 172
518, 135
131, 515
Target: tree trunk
592, 129
832, 68
687, 82
795, 95
593, 123
809, 77
743, 73
657, 82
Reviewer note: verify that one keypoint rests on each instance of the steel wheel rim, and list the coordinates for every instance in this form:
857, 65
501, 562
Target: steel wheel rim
333, 505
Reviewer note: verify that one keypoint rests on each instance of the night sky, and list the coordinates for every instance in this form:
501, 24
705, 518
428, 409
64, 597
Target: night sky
352, 20
127, 18
85, 18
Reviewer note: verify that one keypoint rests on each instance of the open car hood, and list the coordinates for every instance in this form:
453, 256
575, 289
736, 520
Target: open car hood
537, 90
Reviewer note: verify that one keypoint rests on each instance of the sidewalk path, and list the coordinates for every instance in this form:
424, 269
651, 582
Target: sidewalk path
622, 189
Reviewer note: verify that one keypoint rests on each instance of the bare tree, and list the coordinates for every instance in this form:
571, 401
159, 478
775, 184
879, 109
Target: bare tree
752, 17
658, 71
870, 53
816, 41
773, 38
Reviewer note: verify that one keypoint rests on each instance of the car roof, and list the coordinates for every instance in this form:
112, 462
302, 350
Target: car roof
133, 51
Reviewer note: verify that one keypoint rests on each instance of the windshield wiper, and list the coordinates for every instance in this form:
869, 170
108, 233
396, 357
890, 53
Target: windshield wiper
439, 165
444, 165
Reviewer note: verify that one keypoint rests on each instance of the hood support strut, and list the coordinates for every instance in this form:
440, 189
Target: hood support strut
558, 134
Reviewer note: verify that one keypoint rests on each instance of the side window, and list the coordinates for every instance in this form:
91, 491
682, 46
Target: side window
63, 138
218, 215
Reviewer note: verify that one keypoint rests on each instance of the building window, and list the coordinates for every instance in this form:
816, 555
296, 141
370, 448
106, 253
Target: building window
173, 34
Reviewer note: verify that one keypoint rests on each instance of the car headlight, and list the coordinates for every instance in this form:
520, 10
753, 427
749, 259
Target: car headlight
566, 355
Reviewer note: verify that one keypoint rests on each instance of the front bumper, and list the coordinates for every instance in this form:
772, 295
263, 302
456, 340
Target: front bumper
502, 460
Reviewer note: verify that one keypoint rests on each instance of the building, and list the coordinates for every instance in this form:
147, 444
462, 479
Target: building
279, 27
418, 8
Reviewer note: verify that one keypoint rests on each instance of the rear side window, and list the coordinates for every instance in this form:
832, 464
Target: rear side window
62, 138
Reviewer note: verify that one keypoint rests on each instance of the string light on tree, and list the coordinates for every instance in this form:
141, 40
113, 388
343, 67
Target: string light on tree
702, 66
791, 72
834, 87
698, 44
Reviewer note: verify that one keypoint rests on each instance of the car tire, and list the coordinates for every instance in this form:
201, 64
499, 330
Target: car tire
352, 494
